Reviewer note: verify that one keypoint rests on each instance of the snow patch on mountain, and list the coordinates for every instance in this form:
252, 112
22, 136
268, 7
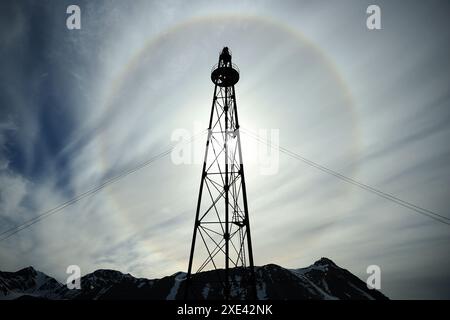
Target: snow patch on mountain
179, 277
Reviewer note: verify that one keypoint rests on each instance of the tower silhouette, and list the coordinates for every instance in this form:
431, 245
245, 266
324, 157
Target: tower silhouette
221, 240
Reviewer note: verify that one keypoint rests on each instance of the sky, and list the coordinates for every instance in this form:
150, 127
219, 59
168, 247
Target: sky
79, 106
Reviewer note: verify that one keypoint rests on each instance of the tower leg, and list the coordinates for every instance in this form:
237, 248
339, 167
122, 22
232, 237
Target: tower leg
226, 187
253, 294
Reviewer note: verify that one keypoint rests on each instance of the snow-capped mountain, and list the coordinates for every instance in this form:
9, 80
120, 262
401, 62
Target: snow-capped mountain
323, 280
28, 282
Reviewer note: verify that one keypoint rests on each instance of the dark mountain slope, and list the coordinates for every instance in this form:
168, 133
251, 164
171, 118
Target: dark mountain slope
323, 280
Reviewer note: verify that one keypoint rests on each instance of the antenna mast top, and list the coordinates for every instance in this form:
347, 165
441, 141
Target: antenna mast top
225, 73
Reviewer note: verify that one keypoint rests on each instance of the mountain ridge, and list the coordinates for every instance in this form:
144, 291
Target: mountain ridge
323, 280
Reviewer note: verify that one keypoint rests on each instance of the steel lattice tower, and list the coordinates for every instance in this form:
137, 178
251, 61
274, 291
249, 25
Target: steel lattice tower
221, 240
